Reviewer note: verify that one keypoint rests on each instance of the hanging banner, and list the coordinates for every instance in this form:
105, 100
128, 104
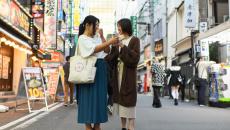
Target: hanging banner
189, 14
50, 24
34, 85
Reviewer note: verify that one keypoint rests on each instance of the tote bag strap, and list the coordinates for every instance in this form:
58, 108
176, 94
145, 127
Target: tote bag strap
77, 51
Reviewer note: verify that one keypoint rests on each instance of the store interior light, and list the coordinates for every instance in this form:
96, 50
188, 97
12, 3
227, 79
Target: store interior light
3, 39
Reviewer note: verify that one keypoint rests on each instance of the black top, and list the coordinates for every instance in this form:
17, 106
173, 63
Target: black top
66, 70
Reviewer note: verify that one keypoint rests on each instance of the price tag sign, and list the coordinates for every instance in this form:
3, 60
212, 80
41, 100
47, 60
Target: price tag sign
34, 84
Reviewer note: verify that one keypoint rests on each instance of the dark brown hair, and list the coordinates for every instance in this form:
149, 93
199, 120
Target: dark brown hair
126, 26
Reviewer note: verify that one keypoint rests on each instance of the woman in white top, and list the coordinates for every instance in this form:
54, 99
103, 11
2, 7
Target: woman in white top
92, 98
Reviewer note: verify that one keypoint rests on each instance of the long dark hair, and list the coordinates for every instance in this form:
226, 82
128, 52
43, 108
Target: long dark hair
90, 19
126, 26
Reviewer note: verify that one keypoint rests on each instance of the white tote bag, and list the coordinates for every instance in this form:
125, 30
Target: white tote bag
82, 70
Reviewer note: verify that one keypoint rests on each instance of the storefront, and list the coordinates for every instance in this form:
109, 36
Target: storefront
214, 45
14, 48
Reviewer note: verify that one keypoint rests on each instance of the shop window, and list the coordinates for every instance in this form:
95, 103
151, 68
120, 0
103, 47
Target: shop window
6, 68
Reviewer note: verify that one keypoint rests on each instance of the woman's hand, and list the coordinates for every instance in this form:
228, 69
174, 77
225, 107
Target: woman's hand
114, 41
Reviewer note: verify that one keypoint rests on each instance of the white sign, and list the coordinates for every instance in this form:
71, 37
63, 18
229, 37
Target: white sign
189, 16
204, 49
203, 26
34, 86
50, 24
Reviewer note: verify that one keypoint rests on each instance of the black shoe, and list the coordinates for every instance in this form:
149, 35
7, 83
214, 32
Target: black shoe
158, 105
175, 102
123, 129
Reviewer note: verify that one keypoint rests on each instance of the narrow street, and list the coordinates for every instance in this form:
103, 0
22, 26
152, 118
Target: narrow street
186, 116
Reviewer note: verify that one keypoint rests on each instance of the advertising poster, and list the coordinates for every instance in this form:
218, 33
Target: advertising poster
53, 79
50, 24
34, 85
5, 67
34, 82
5, 5
38, 8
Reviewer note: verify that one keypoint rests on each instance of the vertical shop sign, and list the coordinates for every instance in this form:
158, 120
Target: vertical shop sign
134, 25
50, 24
76, 16
189, 16
60, 10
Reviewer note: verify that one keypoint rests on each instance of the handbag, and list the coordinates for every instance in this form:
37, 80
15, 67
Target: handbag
82, 70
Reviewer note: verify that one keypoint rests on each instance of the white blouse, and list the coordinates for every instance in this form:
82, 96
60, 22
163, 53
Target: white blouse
87, 46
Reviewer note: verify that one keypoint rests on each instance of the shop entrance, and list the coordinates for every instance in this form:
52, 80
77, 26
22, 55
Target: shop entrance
6, 68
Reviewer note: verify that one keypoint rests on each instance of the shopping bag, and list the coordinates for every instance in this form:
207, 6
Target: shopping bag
82, 70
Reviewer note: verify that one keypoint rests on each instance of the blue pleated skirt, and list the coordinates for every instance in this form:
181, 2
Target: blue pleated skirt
92, 102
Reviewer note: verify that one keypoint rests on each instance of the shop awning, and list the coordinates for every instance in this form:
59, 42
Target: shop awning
19, 41
181, 41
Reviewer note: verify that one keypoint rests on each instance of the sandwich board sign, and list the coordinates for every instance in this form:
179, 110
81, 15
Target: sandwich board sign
34, 85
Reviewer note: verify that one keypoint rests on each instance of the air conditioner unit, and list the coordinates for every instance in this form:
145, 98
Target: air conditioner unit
226, 18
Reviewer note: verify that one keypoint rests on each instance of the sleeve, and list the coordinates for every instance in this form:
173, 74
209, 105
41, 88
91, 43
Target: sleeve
130, 56
114, 53
86, 47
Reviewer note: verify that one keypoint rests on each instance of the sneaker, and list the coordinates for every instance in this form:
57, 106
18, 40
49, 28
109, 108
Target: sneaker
66, 105
201, 105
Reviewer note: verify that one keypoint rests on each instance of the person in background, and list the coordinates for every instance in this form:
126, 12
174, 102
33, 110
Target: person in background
67, 85
202, 68
92, 97
158, 74
175, 81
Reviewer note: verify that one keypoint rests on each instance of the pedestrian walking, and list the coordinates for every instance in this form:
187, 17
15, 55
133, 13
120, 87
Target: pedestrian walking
175, 81
127, 54
68, 87
202, 69
157, 70
92, 104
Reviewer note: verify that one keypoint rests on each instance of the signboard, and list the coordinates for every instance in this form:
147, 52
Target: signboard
147, 53
14, 15
76, 17
204, 49
203, 26
34, 85
60, 10
189, 15
38, 8
50, 24
53, 79
134, 25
